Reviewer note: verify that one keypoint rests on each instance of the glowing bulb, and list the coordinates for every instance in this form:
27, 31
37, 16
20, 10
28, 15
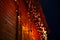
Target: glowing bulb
19, 17
39, 23
16, 10
44, 31
39, 19
36, 16
15, 0
23, 27
42, 25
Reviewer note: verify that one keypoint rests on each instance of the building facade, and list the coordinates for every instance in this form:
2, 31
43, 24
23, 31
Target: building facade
22, 20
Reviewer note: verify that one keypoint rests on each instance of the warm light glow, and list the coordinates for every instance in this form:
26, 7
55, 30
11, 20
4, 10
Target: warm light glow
39, 19
44, 33
26, 29
16, 10
15, 0
33, 38
23, 28
19, 18
42, 25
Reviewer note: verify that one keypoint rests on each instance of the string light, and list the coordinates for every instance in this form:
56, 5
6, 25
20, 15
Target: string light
19, 17
42, 25
36, 16
39, 23
44, 33
39, 19
29, 4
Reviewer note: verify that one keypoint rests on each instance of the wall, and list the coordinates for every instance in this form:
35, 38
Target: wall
7, 20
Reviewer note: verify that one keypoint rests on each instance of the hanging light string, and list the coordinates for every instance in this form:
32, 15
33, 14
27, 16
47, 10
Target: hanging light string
36, 17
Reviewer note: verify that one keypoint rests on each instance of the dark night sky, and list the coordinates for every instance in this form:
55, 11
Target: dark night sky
51, 10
